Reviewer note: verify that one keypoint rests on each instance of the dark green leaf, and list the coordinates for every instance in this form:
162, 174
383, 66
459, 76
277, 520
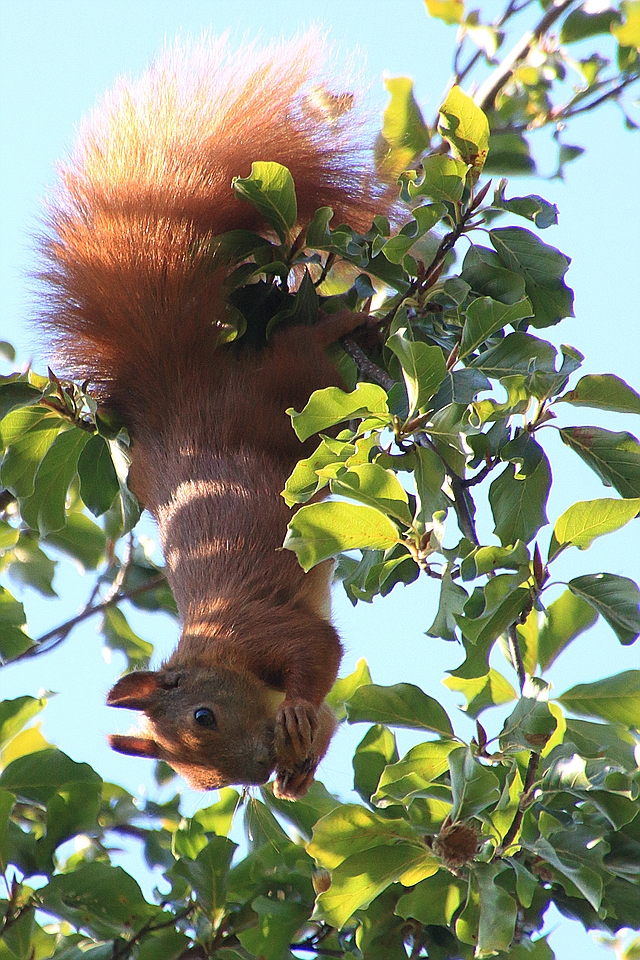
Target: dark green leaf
423, 367
98, 479
530, 724
44, 510
37, 776
119, 636
13, 636
100, 898
17, 393
376, 749
532, 207
278, 921
616, 598
519, 506
208, 873
498, 910
615, 457
474, 787
81, 539
485, 316
543, 268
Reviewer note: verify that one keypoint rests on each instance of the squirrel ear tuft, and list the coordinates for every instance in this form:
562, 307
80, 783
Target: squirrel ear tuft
136, 690
135, 746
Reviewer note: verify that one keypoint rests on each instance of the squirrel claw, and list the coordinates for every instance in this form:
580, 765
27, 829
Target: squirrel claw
296, 726
293, 784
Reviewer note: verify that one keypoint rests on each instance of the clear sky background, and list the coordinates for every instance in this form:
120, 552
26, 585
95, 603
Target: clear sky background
56, 58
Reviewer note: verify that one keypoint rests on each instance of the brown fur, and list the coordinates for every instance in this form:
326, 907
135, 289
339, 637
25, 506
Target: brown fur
133, 302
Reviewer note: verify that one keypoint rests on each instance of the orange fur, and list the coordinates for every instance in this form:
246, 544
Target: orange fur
133, 303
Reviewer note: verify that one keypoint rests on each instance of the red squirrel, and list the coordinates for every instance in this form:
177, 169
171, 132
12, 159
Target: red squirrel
136, 306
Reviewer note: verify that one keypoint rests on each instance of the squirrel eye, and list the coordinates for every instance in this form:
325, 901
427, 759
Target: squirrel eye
205, 717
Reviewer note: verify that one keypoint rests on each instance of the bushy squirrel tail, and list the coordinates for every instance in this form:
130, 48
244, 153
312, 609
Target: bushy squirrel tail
132, 294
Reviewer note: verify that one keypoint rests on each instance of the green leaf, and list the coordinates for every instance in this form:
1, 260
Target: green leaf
352, 828
615, 457
306, 811
414, 775
498, 910
628, 33
278, 921
450, 11
565, 619
81, 539
332, 405
452, 601
519, 506
577, 855
119, 636
363, 876
37, 776
72, 810
15, 714
485, 316
404, 133
425, 218
434, 901
488, 613
98, 479
423, 367
532, 207
466, 128
208, 873
304, 482
543, 268
604, 391
27, 434
13, 636
531, 723
271, 190
586, 520
371, 484
616, 598
579, 25
474, 787
401, 705
520, 354
616, 699
322, 530
344, 688
375, 751
482, 692
442, 180
44, 510
100, 898
7, 801
16, 393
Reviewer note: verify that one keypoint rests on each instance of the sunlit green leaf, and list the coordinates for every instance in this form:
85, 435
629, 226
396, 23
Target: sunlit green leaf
332, 405
616, 699
322, 530
604, 391
583, 522
271, 190
401, 705
464, 125
404, 133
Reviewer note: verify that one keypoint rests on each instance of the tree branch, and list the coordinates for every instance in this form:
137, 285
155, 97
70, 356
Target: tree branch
494, 83
56, 636
367, 368
529, 780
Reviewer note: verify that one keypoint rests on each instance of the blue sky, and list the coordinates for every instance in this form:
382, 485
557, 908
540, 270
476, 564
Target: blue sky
56, 58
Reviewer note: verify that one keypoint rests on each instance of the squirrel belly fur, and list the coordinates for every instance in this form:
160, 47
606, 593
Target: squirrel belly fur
135, 306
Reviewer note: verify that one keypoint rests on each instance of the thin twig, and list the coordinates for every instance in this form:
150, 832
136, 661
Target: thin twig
494, 83
516, 655
60, 633
529, 780
367, 368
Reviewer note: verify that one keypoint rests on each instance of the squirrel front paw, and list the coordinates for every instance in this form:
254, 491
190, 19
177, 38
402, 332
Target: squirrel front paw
295, 730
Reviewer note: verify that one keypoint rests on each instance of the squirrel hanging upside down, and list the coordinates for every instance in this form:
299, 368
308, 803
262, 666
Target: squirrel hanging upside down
137, 306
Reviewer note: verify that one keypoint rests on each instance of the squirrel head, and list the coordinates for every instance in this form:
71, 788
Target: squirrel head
215, 727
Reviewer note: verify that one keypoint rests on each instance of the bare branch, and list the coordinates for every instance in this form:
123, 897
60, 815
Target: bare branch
489, 90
